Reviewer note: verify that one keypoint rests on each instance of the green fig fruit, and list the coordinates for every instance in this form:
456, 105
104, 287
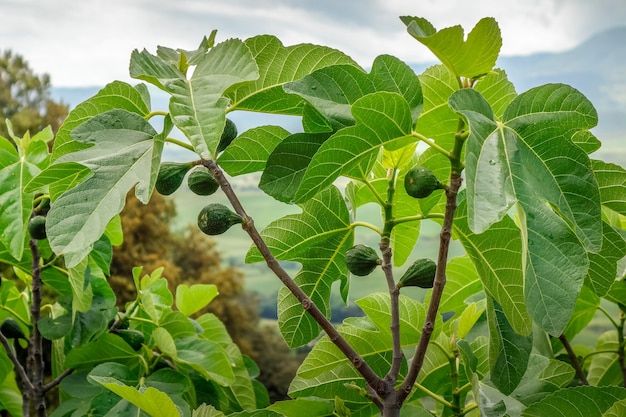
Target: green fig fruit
215, 219
361, 260
170, 177
228, 135
201, 181
420, 274
420, 182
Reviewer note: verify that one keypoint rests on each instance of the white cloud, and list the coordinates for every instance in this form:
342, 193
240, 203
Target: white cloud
89, 42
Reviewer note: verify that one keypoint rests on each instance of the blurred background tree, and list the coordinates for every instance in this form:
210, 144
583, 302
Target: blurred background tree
25, 98
190, 257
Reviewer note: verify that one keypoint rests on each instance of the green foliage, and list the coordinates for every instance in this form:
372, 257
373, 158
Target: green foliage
541, 222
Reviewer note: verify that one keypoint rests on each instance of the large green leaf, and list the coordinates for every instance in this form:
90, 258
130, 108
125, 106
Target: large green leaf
242, 388
126, 152
612, 182
16, 170
529, 158
333, 90
604, 368
318, 239
197, 105
107, 348
469, 58
154, 402
583, 401
497, 256
509, 352
603, 265
437, 120
287, 164
116, 95
278, 65
382, 119
250, 150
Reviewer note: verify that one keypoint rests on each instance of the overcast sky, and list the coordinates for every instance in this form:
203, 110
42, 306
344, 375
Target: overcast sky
89, 42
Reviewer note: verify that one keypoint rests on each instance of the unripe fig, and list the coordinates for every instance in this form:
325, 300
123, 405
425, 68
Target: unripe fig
37, 227
216, 218
420, 182
228, 135
201, 181
420, 274
171, 175
361, 260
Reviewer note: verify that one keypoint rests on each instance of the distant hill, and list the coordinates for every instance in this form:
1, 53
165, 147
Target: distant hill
596, 67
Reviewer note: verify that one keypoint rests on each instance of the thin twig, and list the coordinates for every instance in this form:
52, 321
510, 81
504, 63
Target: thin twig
573, 359
35, 349
19, 369
56, 381
309, 306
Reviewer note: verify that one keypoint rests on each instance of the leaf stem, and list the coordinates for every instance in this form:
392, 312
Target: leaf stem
155, 113
608, 316
433, 144
180, 143
573, 359
418, 217
433, 395
375, 382
367, 225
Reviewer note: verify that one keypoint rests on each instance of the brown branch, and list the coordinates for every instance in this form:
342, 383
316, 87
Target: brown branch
438, 286
573, 359
394, 325
19, 369
309, 306
56, 381
35, 349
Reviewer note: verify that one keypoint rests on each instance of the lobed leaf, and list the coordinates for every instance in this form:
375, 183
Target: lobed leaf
318, 239
497, 255
115, 95
382, 119
509, 352
197, 105
249, 151
585, 401
469, 58
529, 158
126, 152
278, 65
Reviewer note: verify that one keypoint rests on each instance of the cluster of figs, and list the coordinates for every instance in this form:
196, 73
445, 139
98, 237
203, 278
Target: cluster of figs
362, 260
214, 218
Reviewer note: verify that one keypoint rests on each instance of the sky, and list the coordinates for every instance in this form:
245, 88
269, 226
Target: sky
89, 42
